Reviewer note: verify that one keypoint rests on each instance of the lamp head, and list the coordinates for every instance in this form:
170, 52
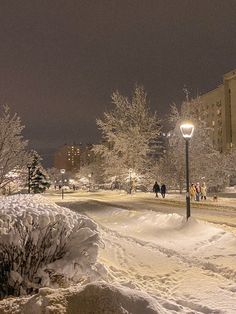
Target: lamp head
187, 130
62, 171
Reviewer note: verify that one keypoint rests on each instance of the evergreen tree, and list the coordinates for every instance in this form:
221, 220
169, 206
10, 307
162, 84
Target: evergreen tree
38, 179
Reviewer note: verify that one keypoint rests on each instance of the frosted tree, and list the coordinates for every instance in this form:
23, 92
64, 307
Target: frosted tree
205, 161
38, 178
127, 131
13, 155
54, 175
93, 171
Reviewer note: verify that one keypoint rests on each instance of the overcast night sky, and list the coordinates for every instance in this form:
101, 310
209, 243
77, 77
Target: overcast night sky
61, 60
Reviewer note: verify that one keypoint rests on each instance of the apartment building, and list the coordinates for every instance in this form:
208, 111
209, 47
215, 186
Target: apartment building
219, 106
67, 157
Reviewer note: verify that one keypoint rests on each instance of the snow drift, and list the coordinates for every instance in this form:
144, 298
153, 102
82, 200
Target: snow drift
42, 244
96, 298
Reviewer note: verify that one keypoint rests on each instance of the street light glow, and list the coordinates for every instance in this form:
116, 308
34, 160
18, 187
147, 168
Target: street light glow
187, 130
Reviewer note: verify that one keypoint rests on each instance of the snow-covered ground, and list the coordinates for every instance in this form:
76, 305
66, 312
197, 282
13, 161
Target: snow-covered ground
183, 267
191, 266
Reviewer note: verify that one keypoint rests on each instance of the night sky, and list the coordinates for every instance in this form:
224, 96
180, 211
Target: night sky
61, 60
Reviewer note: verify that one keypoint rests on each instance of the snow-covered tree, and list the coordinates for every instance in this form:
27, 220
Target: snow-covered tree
54, 175
92, 171
13, 155
127, 131
205, 161
38, 178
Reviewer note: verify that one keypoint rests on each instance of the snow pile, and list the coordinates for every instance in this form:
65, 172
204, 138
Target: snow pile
96, 298
42, 244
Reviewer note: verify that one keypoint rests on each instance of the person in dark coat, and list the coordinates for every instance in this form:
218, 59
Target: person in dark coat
163, 190
156, 188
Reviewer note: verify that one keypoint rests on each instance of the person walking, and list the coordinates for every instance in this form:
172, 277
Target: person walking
192, 192
198, 191
156, 188
163, 190
203, 191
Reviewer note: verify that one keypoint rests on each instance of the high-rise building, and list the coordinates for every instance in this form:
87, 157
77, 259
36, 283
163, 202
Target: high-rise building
67, 157
219, 106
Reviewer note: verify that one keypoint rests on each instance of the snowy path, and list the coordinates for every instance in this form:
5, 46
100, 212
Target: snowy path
190, 269
161, 274
187, 281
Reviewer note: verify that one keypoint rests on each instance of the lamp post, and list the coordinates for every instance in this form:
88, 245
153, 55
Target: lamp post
29, 177
130, 171
89, 176
187, 132
62, 171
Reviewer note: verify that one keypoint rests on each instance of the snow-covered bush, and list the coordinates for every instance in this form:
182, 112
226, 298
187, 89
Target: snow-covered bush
97, 297
42, 244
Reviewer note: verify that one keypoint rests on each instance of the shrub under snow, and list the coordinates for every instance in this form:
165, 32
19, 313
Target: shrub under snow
42, 244
99, 298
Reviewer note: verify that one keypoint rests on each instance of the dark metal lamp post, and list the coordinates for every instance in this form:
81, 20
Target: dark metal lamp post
130, 188
62, 171
29, 177
89, 176
187, 132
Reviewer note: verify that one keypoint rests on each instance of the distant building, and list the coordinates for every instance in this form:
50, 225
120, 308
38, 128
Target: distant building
220, 108
67, 157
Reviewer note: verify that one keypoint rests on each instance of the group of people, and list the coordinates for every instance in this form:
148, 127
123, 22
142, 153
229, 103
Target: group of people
157, 189
198, 191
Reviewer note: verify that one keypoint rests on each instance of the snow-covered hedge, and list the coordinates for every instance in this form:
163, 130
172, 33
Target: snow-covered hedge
42, 244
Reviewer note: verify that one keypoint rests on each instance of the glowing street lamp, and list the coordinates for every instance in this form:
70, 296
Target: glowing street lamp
187, 132
62, 171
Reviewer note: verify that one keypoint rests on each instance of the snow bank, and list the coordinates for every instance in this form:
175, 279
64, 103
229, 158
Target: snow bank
42, 244
99, 298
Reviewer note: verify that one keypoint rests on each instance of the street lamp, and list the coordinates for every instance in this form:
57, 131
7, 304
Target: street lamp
62, 171
187, 132
29, 177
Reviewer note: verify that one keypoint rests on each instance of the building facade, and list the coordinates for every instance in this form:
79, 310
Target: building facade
219, 107
67, 157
